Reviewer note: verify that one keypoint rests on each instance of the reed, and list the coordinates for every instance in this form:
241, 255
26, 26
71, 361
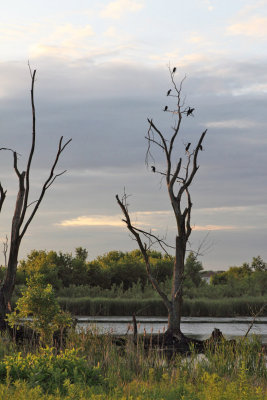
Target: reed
225, 307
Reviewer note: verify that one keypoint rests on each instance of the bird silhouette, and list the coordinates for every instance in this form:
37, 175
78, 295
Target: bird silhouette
153, 168
174, 70
189, 111
169, 91
200, 147
187, 147
166, 108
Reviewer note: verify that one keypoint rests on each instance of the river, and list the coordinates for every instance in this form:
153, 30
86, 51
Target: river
196, 327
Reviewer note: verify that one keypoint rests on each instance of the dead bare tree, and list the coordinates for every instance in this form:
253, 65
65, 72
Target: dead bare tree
179, 176
22, 217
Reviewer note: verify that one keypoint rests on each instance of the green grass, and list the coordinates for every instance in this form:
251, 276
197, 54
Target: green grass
98, 370
225, 307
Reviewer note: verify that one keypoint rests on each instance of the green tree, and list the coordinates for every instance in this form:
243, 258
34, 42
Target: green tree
39, 310
258, 264
81, 253
43, 263
193, 267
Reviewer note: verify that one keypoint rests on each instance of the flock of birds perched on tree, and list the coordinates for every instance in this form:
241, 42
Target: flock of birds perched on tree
189, 111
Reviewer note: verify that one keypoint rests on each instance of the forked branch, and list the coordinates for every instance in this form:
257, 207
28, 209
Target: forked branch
50, 180
143, 248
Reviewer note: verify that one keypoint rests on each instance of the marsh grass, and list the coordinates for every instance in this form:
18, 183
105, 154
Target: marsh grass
101, 306
227, 372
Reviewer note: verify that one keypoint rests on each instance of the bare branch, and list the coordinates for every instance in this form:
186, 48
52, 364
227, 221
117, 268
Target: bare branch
30, 69
2, 196
55, 177
254, 319
6, 148
134, 231
33, 202
47, 184
150, 235
15, 160
194, 168
152, 127
27, 175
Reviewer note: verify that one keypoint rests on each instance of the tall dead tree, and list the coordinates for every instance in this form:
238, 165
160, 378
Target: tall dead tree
23, 215
178, 176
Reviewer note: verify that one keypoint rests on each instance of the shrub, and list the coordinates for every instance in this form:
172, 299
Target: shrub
38, 309
49, 371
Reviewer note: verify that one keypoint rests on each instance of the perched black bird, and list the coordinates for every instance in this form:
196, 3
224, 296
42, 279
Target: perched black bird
166, 108
189, 111
187, 147
153, 168
174, 70
201, 147
169, 91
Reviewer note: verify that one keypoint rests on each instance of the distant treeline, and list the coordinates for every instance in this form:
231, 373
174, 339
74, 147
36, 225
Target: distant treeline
123, 275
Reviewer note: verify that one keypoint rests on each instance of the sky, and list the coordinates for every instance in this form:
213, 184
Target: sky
102, 70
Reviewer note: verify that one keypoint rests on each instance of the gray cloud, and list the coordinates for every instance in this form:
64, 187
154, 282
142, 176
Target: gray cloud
104, 109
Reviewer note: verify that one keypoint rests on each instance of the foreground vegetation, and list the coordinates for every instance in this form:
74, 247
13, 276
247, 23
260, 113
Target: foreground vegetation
97, 370
89, 365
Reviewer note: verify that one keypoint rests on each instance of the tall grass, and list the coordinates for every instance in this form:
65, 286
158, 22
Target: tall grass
228, 373
243, 306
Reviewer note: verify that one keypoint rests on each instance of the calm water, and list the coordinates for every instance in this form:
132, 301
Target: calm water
197, 327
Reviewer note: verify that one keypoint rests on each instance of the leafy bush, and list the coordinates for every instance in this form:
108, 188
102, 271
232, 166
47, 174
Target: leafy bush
38, 309
49, 371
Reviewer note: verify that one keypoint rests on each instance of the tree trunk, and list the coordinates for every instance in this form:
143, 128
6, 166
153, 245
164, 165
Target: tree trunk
8, 285
175, 311
7, 288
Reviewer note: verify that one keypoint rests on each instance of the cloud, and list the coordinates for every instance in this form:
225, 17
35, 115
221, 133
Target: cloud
255, 27
229, 209
112, 220
195, 38
208, 4
69, 32
14, 33
65, 40
117, 8
233, 124
258, 88
215, 228
94, 220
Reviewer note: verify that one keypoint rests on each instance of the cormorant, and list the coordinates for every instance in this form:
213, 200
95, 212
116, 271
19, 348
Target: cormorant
166, 108
187, 147
189, 111
169, 91
174, 70
153, 168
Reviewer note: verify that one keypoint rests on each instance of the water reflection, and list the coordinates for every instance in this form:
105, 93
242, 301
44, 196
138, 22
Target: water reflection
199, 328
